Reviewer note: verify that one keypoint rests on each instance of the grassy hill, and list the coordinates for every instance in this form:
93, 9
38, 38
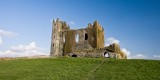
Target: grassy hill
79, 69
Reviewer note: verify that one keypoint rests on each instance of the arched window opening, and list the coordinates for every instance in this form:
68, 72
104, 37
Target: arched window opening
86, 36
77, 38
106, 55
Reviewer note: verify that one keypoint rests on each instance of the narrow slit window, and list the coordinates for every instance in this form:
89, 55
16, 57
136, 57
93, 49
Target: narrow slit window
86, 36
53, 45
77, 38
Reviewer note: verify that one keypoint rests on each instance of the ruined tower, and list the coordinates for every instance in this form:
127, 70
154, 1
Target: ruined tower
58, 37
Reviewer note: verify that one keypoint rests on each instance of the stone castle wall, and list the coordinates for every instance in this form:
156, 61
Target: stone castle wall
87, 42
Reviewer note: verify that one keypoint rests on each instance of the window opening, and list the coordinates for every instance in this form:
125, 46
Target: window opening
86, 36
77, 38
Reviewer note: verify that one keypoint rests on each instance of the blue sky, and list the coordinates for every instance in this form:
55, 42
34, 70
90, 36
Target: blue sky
26, 24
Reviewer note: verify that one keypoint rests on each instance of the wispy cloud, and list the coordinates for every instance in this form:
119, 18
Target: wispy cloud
156, 57
72, 22
4, 33
30, 49
139, 56
22, 48
7, 33
1, 42
111, 40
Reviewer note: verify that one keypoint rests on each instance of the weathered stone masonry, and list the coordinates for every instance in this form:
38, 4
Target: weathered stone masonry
87, 42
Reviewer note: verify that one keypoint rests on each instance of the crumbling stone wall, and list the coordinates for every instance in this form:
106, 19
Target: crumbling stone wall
69, 41
88, 53
83, 42
88, 38
113, 51
115, 48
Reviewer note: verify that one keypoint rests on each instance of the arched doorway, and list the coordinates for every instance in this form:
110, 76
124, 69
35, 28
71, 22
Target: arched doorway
106, 54
74, 55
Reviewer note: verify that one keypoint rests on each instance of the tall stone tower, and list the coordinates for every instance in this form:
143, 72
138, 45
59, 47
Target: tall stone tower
99, 35
58, 37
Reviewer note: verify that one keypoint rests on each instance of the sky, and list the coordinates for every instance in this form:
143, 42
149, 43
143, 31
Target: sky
25, 25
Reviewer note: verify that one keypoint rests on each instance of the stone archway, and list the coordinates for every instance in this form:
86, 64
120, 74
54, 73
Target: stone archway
106, 54
74, 55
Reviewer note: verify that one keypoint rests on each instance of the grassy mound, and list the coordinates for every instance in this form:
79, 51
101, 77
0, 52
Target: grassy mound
79, 69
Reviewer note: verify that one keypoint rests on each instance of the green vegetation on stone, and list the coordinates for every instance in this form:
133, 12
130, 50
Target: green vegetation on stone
79, 69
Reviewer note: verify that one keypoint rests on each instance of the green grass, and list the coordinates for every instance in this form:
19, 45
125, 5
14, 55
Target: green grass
79, 69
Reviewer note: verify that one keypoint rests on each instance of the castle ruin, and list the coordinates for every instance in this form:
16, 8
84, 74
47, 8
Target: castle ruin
87, 42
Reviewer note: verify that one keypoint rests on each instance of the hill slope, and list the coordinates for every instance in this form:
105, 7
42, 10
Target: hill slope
79, 69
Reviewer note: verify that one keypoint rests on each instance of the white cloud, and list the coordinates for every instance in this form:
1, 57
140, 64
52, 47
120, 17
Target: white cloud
4, 33
1, 42
156, 57
111, 40
139, 56
23, 50
7, 33
72, 22
127, 53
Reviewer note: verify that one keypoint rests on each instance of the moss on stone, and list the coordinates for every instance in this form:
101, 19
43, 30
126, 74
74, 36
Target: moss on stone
70, 41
